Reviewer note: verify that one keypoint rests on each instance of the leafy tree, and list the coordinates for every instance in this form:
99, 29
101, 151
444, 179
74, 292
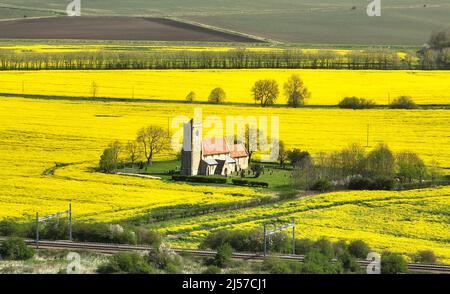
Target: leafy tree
9, 228
410, 166
191, 97
381, 161
403, 102
223, 255
126, 262
217, 95
110, 158
282, 153
296, 156
15, 248
296, 91
266, 92
154, 140
392, 263
358, 249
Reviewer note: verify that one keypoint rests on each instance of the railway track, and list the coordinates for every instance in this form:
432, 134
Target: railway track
115, 248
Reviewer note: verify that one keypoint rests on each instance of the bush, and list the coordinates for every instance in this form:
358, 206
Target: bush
247, 241
358, 249
356, 103
9, 228
303, 246
199, 179
379, 183
257, 169
248, 183
425, 256
126, 263
403, 102
348, 262
15, 248
324, 247
148, 237
322, 186
392, 263
274, 265
103, 233
340, 247
318, 263
223, 255
212, 270
165, 260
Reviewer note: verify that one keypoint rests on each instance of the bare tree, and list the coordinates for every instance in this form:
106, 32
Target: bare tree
154, 140
266, 92
132, 148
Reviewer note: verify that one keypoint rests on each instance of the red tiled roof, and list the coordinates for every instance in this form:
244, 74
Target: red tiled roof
239, 150
215, 146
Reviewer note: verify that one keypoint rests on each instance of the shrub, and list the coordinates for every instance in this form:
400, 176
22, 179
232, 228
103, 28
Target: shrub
403, 102
340, 247
126, 262
199, 179
348, 262
9, 228
257, 169
165, 260
322, 186
325, 247
212, 270
103, 233
318, 263
223, 255
248, 183
15, 248
425, 256
392, 263
356, 103
358, 249
274, 265
303, 246
148, 237
379, 183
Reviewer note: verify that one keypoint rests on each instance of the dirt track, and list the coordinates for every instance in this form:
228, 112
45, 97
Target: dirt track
112, 28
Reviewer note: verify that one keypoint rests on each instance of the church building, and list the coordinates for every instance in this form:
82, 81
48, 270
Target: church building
213, 156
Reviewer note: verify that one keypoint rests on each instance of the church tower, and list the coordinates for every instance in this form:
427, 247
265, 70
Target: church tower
191, 155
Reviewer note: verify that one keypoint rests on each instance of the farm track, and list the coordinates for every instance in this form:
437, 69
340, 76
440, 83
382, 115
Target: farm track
115, 248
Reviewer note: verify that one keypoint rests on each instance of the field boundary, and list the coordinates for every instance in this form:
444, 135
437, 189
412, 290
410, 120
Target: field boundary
157, 101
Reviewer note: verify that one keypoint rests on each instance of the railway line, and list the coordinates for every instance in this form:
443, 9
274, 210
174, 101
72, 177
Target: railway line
115, 248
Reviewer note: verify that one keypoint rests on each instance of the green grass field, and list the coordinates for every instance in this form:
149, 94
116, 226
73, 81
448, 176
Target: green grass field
308, 22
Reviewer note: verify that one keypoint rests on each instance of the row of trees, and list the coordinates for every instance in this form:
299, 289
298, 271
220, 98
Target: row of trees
150, 141
233, 59
436, 54
380, 165
266, 92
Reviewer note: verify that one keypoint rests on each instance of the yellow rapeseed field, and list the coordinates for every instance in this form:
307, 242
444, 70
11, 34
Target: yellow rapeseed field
403, 222
328, 87
36, 134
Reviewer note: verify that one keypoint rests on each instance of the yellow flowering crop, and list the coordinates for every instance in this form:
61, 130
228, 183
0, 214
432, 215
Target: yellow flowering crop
328, 87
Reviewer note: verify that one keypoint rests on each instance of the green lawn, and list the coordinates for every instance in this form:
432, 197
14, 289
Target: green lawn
279, 179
